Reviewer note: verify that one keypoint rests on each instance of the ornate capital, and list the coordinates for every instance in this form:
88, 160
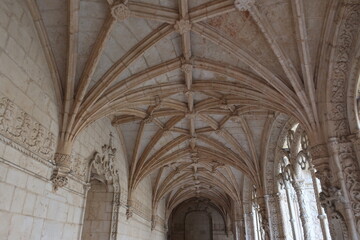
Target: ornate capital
120, 11
244, 5
182, 26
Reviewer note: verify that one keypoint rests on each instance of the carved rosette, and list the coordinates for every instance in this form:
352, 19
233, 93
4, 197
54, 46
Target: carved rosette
182, 26
244, 5
120, 12
187, 68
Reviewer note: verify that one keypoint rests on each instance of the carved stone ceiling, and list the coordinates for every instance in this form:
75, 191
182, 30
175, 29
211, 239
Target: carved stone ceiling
192, 85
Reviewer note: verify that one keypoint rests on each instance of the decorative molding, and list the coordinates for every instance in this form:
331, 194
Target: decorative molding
19, 127
341, 67
351, 172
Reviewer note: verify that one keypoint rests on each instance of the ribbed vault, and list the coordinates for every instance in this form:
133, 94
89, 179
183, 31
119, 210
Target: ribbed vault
193, 86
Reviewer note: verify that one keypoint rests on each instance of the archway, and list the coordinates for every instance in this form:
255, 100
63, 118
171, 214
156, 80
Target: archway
198, 225
98, 210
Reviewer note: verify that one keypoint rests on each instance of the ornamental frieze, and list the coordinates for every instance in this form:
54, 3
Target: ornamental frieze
21, 128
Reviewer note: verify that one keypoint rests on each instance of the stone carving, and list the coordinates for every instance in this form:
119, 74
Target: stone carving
59, 180
120, 11
20, 127
187, 68
62, 160
63, 168
347, 37
115, 215
182, 26
330, 202
352, 177
79, 166
244, 5
103, 164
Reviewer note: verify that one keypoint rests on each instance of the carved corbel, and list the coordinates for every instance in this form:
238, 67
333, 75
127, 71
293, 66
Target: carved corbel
62, 159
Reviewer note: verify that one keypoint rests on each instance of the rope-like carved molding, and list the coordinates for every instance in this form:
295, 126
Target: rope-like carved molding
19, 127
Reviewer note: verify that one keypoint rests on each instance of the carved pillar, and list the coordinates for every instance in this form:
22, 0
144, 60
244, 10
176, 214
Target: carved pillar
249, 222
62, 160
329, 197
280, 200
291, 209
349, 214
267, 206
239, 229
321, 214
238, 224
304, 217
264, 216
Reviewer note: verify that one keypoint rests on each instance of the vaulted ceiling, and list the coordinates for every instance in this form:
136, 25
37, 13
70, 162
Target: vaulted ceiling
193, 86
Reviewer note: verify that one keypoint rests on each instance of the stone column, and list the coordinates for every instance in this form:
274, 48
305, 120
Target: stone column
349, 215
264, 217
280, 199
239, 229
291, 209
305, 222
321, 214
267, 206
249, 224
